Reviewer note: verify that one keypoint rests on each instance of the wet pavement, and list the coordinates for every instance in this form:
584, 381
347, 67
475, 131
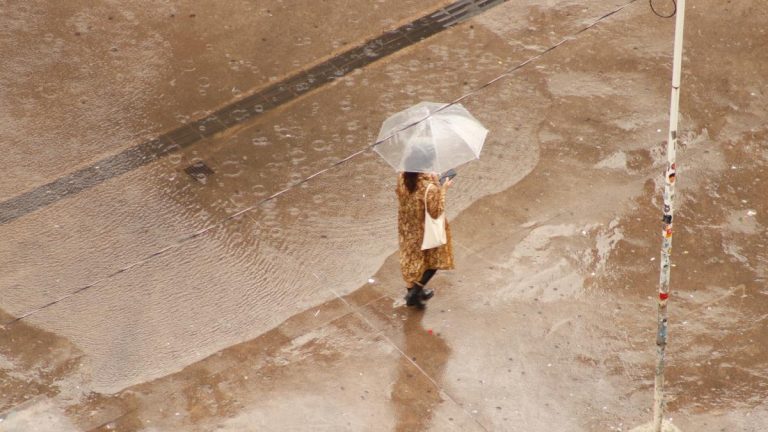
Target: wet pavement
243, 109
289, 316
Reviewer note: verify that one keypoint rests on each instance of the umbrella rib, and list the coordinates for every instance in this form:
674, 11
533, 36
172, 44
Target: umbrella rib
436, 165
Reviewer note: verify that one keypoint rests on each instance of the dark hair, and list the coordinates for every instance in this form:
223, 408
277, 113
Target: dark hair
411, 180
419, 159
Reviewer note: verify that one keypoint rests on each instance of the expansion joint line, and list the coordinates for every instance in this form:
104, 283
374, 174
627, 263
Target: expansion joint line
410, 360
376, 331
336, 164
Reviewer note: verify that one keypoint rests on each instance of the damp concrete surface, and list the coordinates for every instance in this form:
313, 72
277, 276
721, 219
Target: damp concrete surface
145, 299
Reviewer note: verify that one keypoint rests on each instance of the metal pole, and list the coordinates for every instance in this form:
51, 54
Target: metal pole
669, 197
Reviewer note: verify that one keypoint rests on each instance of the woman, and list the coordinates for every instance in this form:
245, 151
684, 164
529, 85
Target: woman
418, 266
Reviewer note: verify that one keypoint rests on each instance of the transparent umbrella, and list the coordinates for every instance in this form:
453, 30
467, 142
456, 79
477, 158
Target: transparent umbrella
444, 140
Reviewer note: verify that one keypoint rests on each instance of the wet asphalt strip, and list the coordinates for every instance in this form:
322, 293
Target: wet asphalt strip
244, 109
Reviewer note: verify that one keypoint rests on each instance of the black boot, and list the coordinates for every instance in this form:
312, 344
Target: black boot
414, 297
427, 294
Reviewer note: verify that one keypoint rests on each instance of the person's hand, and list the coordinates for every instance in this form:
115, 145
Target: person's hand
448, 183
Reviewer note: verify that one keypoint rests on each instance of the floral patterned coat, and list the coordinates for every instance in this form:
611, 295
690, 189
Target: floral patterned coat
410, 223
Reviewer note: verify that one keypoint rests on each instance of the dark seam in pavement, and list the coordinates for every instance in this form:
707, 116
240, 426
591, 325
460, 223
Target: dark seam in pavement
244, 109
202, 231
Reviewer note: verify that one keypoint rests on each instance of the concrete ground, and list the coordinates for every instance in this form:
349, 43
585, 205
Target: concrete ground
290, 316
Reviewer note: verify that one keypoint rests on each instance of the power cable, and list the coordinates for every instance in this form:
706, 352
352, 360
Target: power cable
674, 10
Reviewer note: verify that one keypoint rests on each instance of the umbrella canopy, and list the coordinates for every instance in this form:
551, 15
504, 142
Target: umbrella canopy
445, 140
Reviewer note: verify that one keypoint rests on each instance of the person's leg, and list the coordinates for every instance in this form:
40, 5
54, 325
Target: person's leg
427, 276
414, 296
419, 290
417, 294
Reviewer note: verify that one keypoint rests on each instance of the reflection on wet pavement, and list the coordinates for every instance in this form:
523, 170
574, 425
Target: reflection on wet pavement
414, 405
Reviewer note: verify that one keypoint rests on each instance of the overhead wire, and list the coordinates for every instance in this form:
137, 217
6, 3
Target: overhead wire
346, 159
674, 10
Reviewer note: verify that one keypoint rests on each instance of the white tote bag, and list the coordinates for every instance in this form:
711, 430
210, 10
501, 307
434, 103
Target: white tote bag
434, 229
